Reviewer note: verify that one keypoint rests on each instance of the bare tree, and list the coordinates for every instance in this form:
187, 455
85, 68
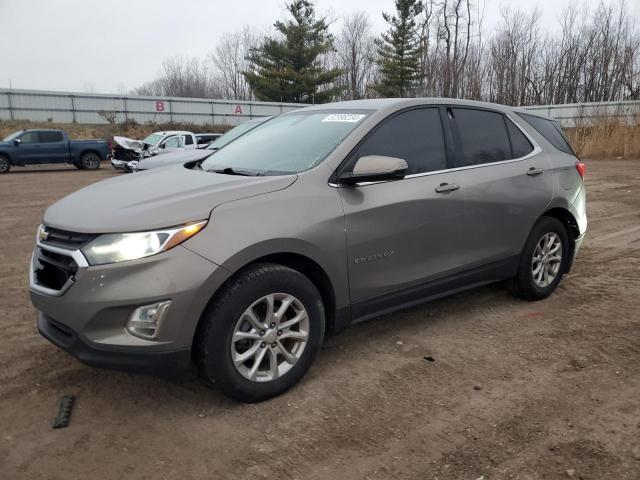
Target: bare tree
355, 52
229, 60
513, 50
593, 56
182, 77
446, 35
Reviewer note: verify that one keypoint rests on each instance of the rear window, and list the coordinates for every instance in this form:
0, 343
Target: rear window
483, 136
50, 137
550, 130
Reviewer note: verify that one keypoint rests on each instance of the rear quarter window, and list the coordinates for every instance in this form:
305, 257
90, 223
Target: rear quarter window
520, 145
550, 130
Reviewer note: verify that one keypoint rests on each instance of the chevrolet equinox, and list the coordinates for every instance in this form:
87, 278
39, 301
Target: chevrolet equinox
237, 265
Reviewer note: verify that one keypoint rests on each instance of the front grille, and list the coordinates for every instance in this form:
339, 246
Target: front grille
125, 154
68, 240
53, 270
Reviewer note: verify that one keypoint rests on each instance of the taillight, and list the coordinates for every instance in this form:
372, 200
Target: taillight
581, 168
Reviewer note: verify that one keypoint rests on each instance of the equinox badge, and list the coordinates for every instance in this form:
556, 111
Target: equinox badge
375, 256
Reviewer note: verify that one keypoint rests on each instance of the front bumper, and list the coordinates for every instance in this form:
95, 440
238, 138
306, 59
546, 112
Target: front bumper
165, 364
125, 165
88, 319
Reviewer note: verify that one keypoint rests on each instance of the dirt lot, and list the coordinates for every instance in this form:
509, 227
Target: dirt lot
517, 390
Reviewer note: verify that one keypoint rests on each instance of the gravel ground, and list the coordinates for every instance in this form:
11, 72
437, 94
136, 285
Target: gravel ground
515, 390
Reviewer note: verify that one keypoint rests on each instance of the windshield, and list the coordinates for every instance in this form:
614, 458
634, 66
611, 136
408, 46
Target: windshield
232, 134
152, 139
12, 136
290, 143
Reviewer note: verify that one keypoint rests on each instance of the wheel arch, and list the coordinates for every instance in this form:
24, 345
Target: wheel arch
564, 216
6, 154
7, 160
336, 319
89, 150
314, 272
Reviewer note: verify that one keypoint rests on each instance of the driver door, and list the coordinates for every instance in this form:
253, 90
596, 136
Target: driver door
30, 149
404, 233
173, 143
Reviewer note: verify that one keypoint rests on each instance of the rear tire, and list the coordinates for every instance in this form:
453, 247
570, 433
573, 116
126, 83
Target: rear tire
90, 161
270, 314
543, 261
5, 164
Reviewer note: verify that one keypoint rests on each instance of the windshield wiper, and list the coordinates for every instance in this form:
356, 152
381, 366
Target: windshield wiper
232, 171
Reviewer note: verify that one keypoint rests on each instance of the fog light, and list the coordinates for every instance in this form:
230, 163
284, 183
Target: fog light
145, 321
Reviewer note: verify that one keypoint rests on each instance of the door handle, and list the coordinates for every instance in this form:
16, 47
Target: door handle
447, 187
533, 171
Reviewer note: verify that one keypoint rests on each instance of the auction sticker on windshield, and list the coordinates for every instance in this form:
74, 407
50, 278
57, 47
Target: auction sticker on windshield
344, 117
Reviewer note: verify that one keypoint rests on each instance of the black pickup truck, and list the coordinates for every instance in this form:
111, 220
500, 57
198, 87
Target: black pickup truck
35, 147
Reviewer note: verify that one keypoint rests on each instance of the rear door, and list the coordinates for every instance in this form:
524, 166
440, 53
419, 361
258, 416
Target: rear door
503, 180
55, 149
401, 233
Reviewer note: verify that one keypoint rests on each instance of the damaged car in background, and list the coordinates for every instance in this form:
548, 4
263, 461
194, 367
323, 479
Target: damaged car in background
183, 156
127, 152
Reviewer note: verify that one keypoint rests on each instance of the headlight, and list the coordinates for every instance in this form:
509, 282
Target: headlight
118, 247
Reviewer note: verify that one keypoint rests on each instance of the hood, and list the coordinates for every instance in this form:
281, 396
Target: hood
172, 158
157, 199
137, 146
129, 144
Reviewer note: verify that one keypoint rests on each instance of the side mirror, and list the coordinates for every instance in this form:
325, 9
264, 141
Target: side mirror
375, 168
162, 145
17, 142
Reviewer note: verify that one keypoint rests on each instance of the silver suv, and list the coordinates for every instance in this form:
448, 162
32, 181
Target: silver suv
238, 265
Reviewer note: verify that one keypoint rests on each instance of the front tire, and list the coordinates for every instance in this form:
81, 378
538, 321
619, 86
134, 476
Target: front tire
5, 164
543, 261
261, 333
90, 161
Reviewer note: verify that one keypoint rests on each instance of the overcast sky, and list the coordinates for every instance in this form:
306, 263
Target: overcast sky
115, 45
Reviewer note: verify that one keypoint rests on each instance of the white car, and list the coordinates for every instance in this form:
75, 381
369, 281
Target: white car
127, 151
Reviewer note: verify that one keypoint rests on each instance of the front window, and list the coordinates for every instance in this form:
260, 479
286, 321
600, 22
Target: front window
152, 139
30, 137
290, 143
175, 142
13, 136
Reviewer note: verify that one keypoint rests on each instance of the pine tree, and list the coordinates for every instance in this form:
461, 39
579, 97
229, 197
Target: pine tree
289, 68
399, 51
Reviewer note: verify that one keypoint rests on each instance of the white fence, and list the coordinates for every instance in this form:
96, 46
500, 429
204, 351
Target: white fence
64, 107
585, 114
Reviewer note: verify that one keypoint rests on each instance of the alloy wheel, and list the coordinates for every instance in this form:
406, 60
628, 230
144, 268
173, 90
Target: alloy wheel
91, 161
546, 261
270, 337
